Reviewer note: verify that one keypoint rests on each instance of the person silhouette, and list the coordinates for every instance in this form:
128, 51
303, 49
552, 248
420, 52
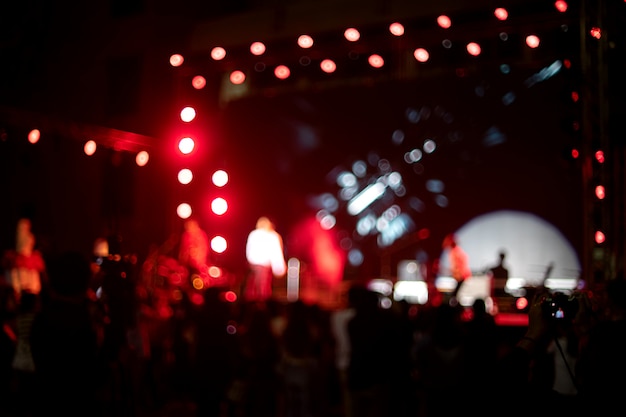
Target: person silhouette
499, 275
26, 267
266, 260
458, 263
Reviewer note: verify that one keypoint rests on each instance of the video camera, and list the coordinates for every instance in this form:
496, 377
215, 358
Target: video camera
560, 306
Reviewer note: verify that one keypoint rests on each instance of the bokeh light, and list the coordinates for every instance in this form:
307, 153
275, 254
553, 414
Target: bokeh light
34, 136
90, 147
183, 210
142, 158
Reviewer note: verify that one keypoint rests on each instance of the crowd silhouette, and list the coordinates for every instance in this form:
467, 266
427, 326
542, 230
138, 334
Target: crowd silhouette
131, 339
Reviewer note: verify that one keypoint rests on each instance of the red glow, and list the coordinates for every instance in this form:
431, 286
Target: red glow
423, 233
352, 34
218, 53
596, 32
197, 282
575, 96
328, 66
444, 21
237, 77
421, 55
197, 299
305, 41
521, 303
532, 41
561, 6
90, 147
165, 311
257, 48
575, 153
230, 296
33, 136
600, 156
473, 49
396, 29
376, 61
599, 237
501, 13
320, 250
198, 82
176, 60
282, 72
600, 192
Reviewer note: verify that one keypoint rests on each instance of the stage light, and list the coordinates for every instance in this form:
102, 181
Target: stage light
183, 211
421, 55
396, 29
90, 147
599, 155
142, 158
596, 32
218, 244
218, 53
282, 72
532, 41
176, 60
187, 114
328, 66
33, 136
376, 61
444, 21
561, 6
198, 82
219, 206
352, 34
257, 48
473, 49
219, 178
185, 176
305, 41
186, 145
501, 13
237, 77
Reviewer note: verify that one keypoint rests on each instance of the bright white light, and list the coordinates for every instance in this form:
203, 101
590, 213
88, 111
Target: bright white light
366, 197
183, 210
219, 206
415, 292
293, 279
218, 244
220, 178
381, 286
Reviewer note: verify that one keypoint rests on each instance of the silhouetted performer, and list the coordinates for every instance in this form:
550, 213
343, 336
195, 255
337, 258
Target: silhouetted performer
500, 275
